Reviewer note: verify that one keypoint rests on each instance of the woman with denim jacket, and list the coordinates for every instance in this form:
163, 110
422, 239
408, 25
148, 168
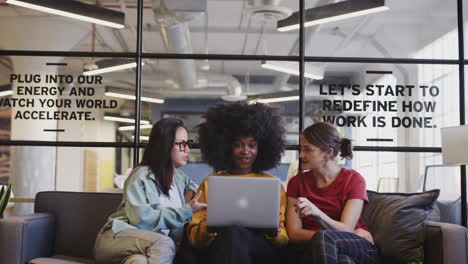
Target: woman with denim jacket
158, 200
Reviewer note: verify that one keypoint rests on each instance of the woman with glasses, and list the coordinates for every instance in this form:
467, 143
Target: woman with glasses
325, 202
158, 200
242, 140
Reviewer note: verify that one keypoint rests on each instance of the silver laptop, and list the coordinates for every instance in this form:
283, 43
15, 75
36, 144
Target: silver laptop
252, 202
454, 144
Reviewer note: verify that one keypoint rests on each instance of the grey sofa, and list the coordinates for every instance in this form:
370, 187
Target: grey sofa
63, 228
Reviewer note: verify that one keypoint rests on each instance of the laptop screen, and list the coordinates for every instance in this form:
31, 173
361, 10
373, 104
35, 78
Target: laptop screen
246, 201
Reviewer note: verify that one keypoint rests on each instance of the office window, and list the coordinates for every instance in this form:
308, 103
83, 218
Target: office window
397, 32
218, 27
50, 99
30, 29
388, 80
386, 105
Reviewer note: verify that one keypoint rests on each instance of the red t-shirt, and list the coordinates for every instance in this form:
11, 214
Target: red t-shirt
331, 199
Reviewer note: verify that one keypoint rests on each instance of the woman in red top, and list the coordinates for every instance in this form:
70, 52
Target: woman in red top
325, 202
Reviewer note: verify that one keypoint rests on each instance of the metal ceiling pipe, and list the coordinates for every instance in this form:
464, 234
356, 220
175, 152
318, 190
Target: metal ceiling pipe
176, 35
211, 92
264, 2
220, 85
179, 41
233, 88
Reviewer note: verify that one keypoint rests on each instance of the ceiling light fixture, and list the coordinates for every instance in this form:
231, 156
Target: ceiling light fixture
132, 97
292, 67
111, 65
5, 90
275, 97
146, 138
131, 128
127, 94
77, 10
6, 93
124, 119
111, 69
332, 12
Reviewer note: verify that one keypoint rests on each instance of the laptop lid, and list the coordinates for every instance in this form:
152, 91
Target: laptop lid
252, 202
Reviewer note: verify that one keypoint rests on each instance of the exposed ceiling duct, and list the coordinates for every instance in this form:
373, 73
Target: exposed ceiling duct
173, 17
264, 2
233, 86
209, 84
178, 39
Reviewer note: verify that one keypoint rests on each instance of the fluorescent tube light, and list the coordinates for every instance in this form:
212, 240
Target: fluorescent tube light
131, 128
6, 93
142, 138
76, 10
124, 120
119, 92
292, 67
278, 99
332, 12
274, 97
112, 69
132, 97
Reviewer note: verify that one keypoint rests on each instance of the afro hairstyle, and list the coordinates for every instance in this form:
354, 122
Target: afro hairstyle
225, 123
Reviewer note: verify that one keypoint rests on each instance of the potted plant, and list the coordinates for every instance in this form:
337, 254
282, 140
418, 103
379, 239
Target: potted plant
5, 192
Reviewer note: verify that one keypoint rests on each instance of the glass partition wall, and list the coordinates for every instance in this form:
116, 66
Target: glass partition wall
390, 80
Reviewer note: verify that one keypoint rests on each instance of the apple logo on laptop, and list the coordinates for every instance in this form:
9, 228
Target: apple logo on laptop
243, 203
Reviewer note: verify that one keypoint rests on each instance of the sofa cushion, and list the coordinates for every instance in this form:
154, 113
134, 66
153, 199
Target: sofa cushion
78, 218
58, 259
396, 221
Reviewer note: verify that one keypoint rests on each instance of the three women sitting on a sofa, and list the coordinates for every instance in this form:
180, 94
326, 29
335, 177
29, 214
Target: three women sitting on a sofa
323, 209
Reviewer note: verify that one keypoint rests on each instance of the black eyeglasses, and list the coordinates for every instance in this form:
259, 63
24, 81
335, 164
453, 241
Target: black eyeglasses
184, 144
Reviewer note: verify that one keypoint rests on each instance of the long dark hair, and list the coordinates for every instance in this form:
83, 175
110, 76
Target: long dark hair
325, 135
158, 152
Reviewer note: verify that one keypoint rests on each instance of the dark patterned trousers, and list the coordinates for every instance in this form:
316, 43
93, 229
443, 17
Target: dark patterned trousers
330, 247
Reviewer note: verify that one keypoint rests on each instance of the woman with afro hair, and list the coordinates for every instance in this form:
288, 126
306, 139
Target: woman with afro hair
242, 140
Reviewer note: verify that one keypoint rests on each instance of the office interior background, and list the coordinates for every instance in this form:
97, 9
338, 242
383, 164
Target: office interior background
389, 80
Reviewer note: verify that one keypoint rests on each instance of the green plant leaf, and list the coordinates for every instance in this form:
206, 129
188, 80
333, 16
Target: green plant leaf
4, 198
2, 191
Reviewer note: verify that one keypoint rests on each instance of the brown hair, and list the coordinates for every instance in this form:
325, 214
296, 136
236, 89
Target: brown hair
157, 154
325, 135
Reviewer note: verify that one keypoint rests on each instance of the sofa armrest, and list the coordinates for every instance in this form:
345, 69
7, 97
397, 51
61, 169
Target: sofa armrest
23, 238
445, 243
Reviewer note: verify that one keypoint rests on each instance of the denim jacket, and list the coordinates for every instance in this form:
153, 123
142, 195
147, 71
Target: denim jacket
141, 208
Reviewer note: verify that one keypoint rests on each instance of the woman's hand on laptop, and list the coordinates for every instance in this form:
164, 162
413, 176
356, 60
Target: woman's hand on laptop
278, 231
196, 205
